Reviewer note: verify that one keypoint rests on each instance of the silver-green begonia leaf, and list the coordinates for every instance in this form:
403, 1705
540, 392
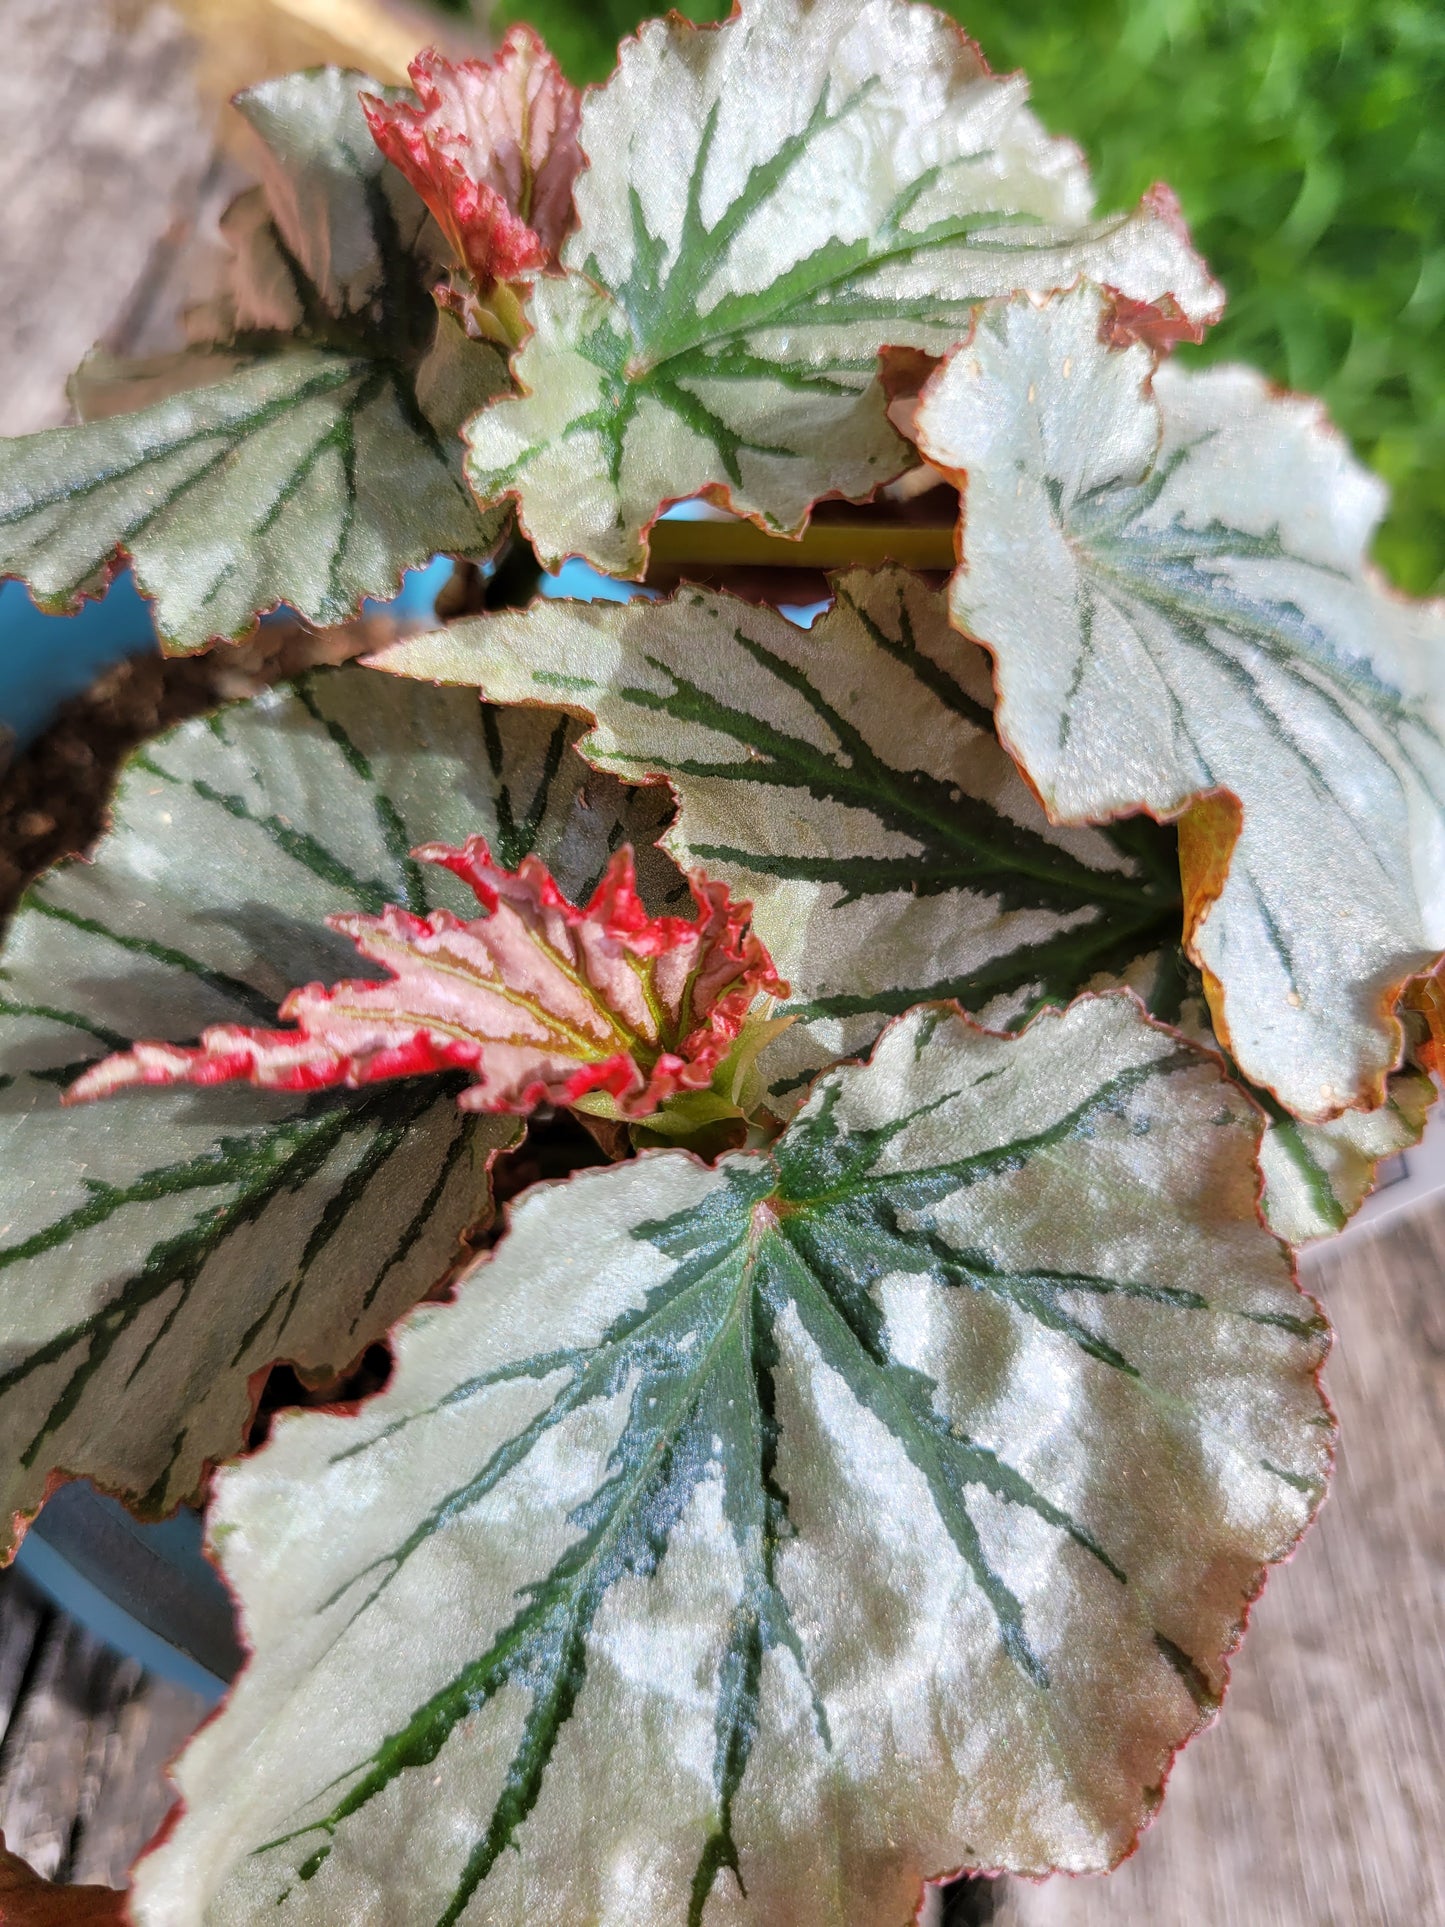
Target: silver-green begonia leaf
817, 774
845, 780
768, 204
159, 1249
322, 459
1316, 1176
1169, 567
746, 1544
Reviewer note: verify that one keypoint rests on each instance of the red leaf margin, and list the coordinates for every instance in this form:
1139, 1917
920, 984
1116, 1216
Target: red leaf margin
541, 1000
492, 150
1209, 1712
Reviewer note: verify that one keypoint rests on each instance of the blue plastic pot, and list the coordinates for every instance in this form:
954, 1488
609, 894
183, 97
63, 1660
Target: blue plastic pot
45, 660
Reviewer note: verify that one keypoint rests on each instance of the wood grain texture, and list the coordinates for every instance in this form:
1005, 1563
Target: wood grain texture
1318, 1800
132, 1793
103, 146
85, 1736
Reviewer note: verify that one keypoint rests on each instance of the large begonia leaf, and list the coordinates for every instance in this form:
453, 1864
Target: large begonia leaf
767, 205
1169, 567
846, 780
157, 1251
818, 772
748, 1543
320, 458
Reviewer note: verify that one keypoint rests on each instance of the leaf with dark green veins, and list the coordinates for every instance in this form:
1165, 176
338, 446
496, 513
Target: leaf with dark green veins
747, 1544
1169, 566
768, 204
321, 460
157, 1251
846, 781
1316, 1176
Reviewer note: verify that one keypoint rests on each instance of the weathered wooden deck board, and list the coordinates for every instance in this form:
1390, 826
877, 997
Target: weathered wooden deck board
85, 1736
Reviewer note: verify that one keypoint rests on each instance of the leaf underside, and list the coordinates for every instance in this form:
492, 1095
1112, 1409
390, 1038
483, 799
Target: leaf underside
157, 1251
305, 451
845, 780
1169, 568
767, 205
746, 1544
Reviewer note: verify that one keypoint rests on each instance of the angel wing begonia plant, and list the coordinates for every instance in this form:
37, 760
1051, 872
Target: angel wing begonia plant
862, 1469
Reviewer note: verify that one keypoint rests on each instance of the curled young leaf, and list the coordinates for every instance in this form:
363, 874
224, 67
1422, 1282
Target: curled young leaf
306, 450
750, 1543
847, 781
767, 205
539, 1001
1169, 568
492, 150
159, 1251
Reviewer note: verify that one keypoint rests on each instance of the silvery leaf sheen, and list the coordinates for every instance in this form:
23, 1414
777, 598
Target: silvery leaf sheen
159, 1251
846, 780
1169, 568
765, 1538
305, 449
849, 783
768, 204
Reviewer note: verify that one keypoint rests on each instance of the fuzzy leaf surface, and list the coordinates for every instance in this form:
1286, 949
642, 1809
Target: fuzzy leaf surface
1169, 567
157, 1251
748, 1543
845, 780
540, 1000
306, 451
1316, 1176
767, 205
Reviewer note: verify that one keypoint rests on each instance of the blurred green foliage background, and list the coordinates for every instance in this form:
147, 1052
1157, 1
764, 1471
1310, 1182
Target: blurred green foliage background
1306, 140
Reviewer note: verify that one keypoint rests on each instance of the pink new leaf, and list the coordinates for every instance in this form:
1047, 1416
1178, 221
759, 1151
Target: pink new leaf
492, 150
541, 1001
